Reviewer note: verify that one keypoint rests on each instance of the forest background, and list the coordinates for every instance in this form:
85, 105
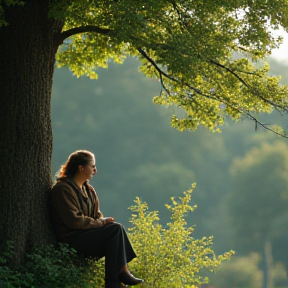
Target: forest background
241, 173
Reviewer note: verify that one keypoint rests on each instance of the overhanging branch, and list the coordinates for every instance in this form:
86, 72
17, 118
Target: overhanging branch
84, 29
219, 99
255, 91
183, 23
230, 71
162, 73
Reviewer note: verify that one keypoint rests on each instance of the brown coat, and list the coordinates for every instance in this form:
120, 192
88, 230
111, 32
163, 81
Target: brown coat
72, 209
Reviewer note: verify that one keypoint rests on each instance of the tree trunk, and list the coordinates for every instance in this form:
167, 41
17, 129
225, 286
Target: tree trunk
27, 56
267, 265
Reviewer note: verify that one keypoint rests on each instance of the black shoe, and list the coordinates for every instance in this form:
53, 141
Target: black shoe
129, 279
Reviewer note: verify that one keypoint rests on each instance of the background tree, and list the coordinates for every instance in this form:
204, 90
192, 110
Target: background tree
186, 44
239, 272
259, 215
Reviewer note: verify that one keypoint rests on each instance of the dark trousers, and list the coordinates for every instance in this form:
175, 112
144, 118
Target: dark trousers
110, 241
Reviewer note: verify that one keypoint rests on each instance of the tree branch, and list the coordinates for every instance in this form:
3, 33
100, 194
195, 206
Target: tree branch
265, 126
162, 73
277, 107
230, 71
255, 91
83, 29
218, 98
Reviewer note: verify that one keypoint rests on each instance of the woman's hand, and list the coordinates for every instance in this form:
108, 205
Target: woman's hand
106, 220
109, 220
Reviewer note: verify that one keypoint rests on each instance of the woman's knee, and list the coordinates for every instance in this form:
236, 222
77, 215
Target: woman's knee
111, 230
115, 225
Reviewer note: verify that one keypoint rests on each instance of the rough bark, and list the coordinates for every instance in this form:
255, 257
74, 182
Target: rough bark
27, 56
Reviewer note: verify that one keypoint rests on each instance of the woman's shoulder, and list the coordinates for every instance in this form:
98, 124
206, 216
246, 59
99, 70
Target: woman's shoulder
62, 184
62, 191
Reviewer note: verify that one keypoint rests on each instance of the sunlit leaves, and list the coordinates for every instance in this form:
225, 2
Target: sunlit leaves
206, 54
169, 256
84, 53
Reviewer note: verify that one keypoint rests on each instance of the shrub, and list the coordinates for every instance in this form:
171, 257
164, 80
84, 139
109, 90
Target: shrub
48, 267
169, 256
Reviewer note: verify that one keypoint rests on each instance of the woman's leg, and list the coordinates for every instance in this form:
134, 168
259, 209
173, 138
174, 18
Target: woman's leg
110, 241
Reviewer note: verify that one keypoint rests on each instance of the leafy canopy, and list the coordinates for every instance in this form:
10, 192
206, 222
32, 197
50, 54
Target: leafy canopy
206, 54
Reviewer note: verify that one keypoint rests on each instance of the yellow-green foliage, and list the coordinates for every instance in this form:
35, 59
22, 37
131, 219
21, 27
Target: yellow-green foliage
169, 256
207, 54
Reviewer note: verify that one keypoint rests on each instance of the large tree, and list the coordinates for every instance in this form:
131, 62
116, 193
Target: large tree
205, 54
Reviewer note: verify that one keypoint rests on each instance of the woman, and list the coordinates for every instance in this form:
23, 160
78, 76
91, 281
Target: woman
78, 221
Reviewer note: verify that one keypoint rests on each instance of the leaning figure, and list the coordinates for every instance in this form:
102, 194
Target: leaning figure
78, 221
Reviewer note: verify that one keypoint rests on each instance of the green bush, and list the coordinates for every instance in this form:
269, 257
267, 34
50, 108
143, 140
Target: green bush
48, 267
169, 256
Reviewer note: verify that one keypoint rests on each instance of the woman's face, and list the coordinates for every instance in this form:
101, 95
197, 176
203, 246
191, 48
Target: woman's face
89, 169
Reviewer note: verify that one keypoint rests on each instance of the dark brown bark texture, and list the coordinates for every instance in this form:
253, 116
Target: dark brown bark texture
27, 56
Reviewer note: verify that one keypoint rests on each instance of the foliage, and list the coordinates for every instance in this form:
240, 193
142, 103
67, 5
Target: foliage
7, 3
260, 177
206, 54
244, 272
47, 267
239, 272
169, 256
280, 275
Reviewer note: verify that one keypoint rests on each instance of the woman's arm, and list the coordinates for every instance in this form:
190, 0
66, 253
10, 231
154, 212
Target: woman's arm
66, 205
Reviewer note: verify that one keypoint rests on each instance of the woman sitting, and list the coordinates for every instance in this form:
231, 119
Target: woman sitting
79, 222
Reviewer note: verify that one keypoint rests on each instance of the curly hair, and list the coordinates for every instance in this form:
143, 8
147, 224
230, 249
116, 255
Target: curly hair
79, 157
